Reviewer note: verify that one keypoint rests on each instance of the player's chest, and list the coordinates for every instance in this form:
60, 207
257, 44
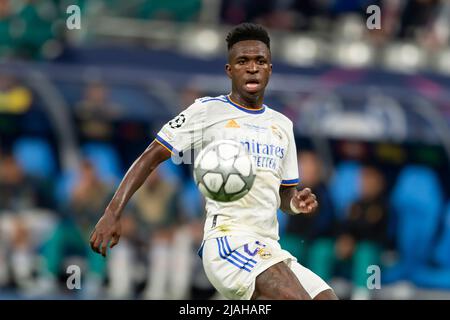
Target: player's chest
263, 138
262, 130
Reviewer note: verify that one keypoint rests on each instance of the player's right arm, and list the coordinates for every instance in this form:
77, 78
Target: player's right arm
182, 133
108, 227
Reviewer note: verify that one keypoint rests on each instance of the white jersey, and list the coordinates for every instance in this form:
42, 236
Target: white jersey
266, 134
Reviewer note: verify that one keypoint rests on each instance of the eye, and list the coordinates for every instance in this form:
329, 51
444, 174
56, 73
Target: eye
261, 61
241, 62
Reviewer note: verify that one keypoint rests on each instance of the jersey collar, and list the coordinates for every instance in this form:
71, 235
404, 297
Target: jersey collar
245, 109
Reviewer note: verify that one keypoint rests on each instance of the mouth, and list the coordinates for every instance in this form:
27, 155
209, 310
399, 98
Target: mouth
252, 85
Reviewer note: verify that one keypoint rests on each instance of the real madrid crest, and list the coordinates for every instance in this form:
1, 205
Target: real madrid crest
264, 253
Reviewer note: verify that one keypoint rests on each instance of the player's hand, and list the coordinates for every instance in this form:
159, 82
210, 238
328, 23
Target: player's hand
305, 201
107, 229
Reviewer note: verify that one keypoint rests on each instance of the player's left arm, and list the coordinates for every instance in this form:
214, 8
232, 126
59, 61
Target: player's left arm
294, 201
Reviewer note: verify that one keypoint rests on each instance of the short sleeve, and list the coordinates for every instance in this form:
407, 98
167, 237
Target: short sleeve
185, 131
289, 169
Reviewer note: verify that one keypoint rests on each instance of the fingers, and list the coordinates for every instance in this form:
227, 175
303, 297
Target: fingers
96, 244
307, 201
312, 206
310, 203
115, 240
99, 243
93, 234
92, 240
304, 194
105, 245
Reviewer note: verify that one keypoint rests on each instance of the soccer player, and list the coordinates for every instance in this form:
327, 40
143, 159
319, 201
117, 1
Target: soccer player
240, 251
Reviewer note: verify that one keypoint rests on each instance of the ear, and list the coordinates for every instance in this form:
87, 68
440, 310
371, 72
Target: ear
228, 70
270, 69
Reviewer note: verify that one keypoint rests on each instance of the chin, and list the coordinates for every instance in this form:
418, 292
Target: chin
253, 94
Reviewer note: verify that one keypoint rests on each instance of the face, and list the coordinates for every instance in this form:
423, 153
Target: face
96, 93
10, 171
249, 68
88, 173
372, 183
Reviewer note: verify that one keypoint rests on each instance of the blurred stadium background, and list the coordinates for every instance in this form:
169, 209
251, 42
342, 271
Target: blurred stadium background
372, 117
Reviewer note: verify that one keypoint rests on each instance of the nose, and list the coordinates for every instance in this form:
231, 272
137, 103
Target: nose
252, 67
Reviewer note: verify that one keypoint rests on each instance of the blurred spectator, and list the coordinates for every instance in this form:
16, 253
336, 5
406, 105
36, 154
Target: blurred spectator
291, 14
170, 239
96, 113
172, 10
15, 100
17, 190
17, 193
153, 200
28, 28
390, 19
6, 29
21, 230
294, 14
310, 237
169, 236
36, 20
237, 11
436, 34
152, 212
417, 14
363, 233
425, 21
201, 288
88, 199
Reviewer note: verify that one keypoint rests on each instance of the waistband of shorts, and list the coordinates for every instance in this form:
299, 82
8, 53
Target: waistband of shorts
217, 233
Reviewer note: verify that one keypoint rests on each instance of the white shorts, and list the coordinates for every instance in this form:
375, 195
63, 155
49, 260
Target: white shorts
232, 264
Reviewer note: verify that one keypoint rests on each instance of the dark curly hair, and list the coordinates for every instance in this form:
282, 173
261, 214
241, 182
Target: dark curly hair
247, 31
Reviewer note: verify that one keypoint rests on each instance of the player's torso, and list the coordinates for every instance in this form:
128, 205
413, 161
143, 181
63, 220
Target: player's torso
263, 133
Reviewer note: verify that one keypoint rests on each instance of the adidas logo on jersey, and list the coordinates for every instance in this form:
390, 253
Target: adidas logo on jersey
232, 124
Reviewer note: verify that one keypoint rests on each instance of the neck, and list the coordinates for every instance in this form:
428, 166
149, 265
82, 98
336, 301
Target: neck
253, 103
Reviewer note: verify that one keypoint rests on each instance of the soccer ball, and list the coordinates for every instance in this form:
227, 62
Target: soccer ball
224, 171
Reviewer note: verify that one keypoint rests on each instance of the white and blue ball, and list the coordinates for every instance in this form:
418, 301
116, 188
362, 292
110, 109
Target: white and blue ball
224, 171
